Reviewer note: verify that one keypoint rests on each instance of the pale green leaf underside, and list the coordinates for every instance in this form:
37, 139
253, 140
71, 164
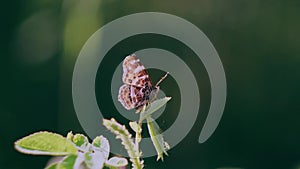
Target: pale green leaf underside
135, 127
45, 143
101, 144
153, 107
157, 138
116, 162
94, 160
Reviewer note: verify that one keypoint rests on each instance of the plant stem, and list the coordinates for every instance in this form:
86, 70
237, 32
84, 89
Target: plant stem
122, 133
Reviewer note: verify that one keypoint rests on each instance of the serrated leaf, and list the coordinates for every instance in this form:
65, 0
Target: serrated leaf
122, 133
45, 143
101, 144
157, 139
153, 107
116, 162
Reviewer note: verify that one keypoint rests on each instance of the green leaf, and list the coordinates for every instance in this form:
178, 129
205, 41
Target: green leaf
153, 107
70, 136
80, 140
101, 144
116, 162
138, 132
45, 143
157, 139
67, 163
135, 127
52, 166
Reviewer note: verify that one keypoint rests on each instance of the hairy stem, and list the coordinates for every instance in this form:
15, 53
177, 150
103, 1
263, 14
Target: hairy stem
122, 133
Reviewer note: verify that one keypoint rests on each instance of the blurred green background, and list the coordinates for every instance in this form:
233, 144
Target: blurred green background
258, 42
